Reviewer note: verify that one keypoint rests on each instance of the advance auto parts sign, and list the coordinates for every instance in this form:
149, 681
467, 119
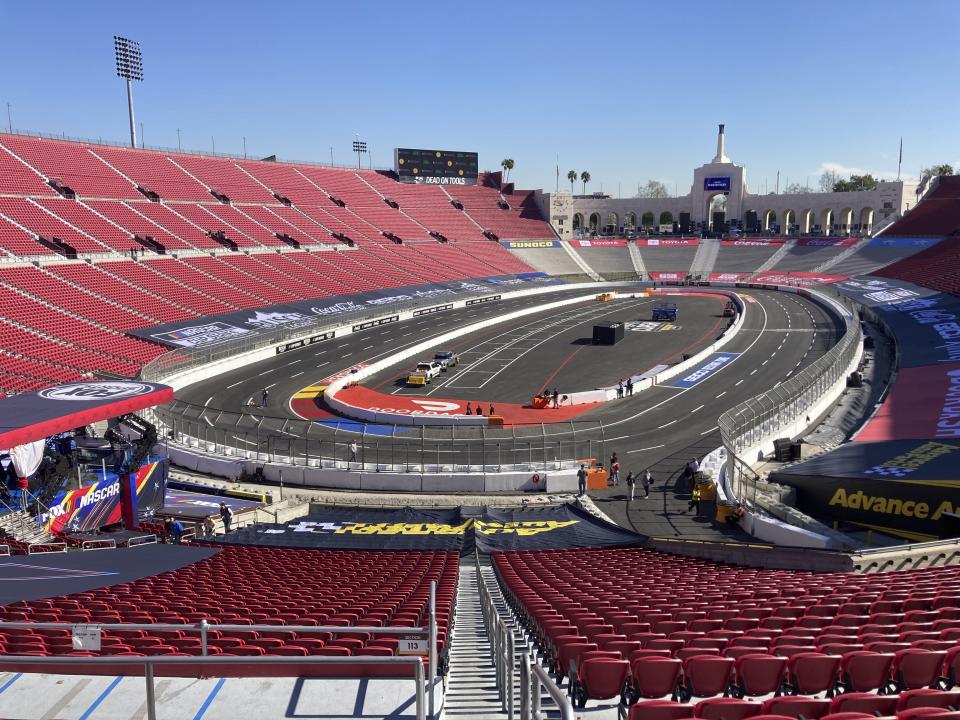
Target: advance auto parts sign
451, 529
902, 487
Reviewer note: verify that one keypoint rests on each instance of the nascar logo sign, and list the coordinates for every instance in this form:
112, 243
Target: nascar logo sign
87, 391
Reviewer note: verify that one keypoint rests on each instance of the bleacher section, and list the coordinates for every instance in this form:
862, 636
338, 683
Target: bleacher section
682, 629
879, 252
668, 258
236, 234
937, 267
742, 257
937, 215
608, 261
251, 585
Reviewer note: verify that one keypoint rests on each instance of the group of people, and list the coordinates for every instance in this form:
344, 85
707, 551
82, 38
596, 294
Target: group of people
553, 399
174, 528
645, 479
479, 410
624, 389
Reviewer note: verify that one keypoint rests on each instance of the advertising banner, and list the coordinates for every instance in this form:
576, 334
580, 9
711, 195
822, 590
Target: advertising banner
727, 276
713, 364
801, 279
304, 314
828, 242
925, 322
667, 276
529, 244
438, 529
904, 487
753, 242
668, 242
903, 242
599, 243
924, 405
99, 504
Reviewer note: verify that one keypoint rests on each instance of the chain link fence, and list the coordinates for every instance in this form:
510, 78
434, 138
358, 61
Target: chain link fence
772, 413
344, 444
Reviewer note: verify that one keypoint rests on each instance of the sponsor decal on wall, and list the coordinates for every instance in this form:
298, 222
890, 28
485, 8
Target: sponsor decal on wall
599, 243
529, 244
243, 325
712, 365
101, 390
668, 242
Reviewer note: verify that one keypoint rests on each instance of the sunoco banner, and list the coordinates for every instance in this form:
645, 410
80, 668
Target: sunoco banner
243, 325
449, 529
99, 504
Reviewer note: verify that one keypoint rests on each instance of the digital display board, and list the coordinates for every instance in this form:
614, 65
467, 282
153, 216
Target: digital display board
716, 183
436, 167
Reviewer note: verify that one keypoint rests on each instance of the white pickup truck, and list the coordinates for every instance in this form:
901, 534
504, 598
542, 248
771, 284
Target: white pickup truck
424, 373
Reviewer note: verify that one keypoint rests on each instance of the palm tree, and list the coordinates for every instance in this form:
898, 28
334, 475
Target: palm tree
572, 177
584, 178
507, 164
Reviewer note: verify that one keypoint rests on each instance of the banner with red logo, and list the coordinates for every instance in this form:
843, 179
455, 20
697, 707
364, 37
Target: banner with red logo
797, 279
753, 242
727, 276
667, 276
669, 242
599, 243
924, 404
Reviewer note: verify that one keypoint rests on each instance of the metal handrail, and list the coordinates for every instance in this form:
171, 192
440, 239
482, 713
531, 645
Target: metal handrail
148, 663
502, 644
532, 678
141, 540
98, 545
51, 548
5, 551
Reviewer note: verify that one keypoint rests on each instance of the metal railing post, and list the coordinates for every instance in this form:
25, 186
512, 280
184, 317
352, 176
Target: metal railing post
151, 695
204, 626
433, 646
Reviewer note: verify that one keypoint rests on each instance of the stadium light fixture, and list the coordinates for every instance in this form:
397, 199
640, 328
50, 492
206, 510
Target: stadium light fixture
359, 147
130, 68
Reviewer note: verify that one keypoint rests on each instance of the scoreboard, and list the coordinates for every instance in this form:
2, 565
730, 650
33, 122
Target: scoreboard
436, 167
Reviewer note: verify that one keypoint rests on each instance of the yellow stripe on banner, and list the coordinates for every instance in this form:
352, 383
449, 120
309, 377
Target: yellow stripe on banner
310, 392
245, 495
907, 534
932, 483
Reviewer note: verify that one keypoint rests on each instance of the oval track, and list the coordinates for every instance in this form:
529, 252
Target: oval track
782, 333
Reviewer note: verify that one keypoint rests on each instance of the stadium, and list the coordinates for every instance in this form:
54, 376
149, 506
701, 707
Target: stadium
283, 438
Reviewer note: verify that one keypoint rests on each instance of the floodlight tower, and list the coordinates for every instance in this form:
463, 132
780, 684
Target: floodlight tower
359, 147
130, 68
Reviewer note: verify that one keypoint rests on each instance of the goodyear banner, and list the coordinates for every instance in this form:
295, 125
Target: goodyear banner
903, 487
99, 504
459, 529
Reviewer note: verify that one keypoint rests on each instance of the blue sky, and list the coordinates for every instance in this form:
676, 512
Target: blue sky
629, 91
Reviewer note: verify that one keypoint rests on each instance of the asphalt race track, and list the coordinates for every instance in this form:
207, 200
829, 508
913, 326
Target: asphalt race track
781, 334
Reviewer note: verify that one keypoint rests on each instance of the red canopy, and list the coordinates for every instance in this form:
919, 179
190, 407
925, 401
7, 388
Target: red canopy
37, 415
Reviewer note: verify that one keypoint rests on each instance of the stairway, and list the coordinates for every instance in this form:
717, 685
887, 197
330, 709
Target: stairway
472, 679
705, 259
581, 263
636, 258
21, 526
781, 252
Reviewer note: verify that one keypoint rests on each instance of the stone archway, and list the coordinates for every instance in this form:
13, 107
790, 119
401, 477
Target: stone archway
647, 219
666, 218
630, 221
595, 223
612, 225
577, 222
826, 221
789, 220
769, 220
807, 220
866, 221
845, 219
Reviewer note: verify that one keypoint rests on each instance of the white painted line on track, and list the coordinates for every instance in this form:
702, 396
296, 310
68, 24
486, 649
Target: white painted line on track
710, 430
652, 447
720, 395
235, 384
696, 409
297, 375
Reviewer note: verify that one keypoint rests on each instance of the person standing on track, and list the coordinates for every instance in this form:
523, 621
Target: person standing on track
631, 483
556, 398
620, 389
647, 481
469, 409
582, 480
490, 411
630, 387
353, 451
694, 500
264, 397
615, 469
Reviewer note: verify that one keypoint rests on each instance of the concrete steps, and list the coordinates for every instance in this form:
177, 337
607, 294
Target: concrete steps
472, 679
